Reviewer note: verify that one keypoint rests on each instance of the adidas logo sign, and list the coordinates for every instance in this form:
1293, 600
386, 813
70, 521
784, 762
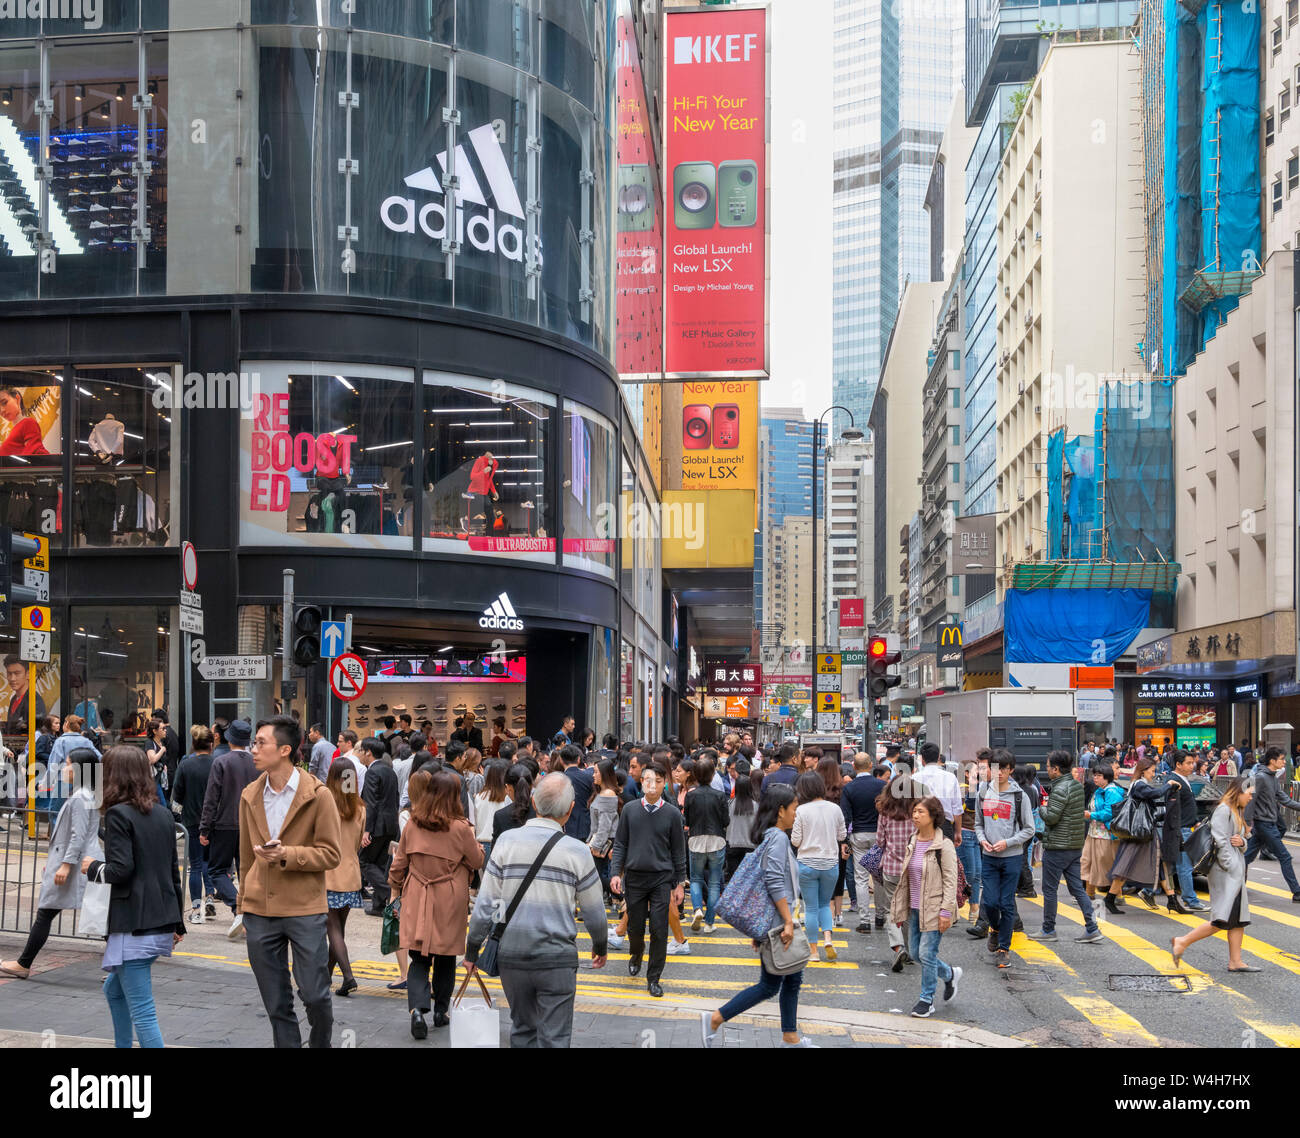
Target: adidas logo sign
501, 615
482, 231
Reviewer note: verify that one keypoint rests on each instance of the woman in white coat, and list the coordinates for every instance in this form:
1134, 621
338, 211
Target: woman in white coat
1229, 905
75, 836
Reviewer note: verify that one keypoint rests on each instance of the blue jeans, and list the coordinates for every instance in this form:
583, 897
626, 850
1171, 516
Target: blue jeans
817, 887
1185, 872
924, 948
129, 991
968, 853
200, 878
706, 881
767, 987
1058, 864
1001, 875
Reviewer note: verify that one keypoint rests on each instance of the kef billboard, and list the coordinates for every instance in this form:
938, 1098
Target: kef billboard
716, 180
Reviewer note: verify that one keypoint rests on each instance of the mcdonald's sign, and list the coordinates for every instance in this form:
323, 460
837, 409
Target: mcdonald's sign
949, 650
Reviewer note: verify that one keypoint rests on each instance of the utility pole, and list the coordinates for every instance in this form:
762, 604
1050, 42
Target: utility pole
286, 642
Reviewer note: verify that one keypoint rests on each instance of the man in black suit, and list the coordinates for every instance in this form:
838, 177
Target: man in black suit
1184, 763
379, 793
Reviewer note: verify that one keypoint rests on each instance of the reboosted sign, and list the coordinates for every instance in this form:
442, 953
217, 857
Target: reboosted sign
716, 219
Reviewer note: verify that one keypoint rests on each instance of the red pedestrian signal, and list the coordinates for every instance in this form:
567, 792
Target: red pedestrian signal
881, 660
877, 647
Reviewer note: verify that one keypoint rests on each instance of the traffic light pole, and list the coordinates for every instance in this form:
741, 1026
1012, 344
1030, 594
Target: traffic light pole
286, 658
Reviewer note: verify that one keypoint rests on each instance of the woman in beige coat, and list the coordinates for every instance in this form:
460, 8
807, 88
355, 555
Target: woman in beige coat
435, 858
343, 883
925, 901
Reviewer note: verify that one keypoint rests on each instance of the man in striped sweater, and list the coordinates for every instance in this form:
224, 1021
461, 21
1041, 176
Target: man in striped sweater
538, 953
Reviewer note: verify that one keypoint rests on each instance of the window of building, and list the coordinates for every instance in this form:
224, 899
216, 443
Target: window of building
955, 470
486, 456
118, 671
328, 456
1268, 127
1277, 37
123, 482
954, 433
1277, 194
589, 494
1292, 13
31, 449
1292, 173
1284, 102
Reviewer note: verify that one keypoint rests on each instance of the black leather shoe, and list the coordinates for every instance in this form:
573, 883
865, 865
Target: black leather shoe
634, 966
978, 929
419, 1028
880, 922
346, 988
441, 1019
656, 989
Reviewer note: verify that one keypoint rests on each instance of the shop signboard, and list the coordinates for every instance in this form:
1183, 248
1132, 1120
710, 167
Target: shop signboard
853, 612
730, 677
1242, 691
1176, 691
715, 147
1187, 737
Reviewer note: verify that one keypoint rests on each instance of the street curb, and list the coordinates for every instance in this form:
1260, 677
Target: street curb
887, 1030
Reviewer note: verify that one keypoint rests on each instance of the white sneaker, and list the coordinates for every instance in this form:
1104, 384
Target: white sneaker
236, 929
678, 947
697, 921
618, 942
706, 928
196, 916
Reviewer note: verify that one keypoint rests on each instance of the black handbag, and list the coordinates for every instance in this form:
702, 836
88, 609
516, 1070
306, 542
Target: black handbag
487, 955
1133, 821
1201, 847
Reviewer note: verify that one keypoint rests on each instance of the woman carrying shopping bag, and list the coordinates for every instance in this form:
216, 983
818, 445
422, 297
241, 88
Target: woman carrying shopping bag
436, 856
780, 875
146, 913
76, 836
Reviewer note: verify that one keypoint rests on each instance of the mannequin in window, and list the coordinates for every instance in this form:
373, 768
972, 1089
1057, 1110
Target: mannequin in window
24, 436
107, 436
482, 484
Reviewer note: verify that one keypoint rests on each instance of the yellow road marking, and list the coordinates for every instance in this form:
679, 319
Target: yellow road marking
1271, 890
1112, 1021
709, 941
1253, 945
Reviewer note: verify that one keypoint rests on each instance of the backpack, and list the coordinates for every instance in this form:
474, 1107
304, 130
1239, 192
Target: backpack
745, 904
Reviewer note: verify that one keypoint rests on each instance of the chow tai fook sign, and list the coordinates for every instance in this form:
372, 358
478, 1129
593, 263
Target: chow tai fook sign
730, 678
715, 146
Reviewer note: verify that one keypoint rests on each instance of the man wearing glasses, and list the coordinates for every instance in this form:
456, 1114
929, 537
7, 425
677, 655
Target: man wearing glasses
288, 839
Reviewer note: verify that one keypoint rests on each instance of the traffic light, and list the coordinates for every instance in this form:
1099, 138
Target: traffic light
15, 589
306, 644
881, 660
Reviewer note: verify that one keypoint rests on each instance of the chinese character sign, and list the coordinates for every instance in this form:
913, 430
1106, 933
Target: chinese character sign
732, 678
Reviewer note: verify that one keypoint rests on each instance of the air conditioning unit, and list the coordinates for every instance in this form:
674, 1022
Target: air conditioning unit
1020, 387
1005, 357
1038, 186
1038, 468
1029, 317
1038, 408
1020, 492
1006, 290
1038, 236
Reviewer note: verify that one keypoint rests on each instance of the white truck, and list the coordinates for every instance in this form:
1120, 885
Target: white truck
1029, 722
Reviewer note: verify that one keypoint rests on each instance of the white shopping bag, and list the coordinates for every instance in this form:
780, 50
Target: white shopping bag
475, 1023
94, 910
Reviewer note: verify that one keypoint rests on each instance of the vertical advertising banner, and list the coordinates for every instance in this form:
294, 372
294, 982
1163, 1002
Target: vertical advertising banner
853, 612
711, 435
640, 276
715, 147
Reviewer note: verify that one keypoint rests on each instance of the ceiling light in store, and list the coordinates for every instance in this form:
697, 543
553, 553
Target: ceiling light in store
121, 92
81, 92
346, 383
428, 666
454, 668
404, 667
8, 96
386, 446
496, 442
153, 86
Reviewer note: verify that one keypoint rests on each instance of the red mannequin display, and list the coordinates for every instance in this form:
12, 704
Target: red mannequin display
482, 483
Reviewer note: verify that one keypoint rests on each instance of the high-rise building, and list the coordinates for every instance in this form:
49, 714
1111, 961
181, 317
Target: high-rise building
893, 80
789, 598
848, 513
785, 491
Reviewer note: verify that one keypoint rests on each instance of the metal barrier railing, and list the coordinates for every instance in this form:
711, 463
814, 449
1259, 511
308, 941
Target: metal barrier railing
22, 860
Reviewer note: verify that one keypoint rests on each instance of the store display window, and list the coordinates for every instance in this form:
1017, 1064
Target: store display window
31, 449
123, 481
327, 456
627, 515
484, 468
119, 660
588, 492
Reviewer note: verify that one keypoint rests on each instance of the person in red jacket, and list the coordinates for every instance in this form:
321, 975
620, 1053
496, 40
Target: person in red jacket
24, 437
482, 483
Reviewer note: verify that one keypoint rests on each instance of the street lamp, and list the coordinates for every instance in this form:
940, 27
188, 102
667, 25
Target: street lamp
850, 434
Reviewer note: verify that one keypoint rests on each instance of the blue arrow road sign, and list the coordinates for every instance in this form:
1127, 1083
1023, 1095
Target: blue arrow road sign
331, 639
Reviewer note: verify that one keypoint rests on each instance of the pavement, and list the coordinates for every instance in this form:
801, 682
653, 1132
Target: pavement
1123, 992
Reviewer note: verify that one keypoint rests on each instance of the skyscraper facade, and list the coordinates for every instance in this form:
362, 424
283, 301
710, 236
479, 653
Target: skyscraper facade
893, 81
786, 458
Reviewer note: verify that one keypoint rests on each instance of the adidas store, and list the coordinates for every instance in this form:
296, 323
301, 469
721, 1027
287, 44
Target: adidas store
349, 312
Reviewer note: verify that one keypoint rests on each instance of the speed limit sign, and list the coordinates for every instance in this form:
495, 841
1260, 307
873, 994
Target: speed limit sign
348, 677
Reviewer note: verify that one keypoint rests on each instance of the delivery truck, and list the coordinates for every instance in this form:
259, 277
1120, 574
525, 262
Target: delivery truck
1028, 722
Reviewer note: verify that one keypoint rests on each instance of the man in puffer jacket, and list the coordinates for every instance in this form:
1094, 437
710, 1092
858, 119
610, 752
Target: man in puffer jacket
1066, 828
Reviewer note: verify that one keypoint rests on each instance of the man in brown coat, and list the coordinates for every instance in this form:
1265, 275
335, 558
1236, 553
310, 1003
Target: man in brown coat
288, 839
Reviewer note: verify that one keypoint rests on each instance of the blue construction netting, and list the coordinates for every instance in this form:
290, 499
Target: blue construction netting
1055, 497
1231, 232
1138, 456
1073, 626
1071, 498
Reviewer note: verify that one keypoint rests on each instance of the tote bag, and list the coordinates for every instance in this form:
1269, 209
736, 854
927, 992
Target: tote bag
745, 904
94, 909
475, 1024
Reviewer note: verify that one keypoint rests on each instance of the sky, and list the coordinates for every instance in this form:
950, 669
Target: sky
800, 202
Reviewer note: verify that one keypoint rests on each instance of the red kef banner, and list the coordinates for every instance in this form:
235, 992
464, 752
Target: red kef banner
716, 219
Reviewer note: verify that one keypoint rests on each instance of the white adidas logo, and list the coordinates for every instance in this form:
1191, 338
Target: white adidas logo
482, 230
501, 615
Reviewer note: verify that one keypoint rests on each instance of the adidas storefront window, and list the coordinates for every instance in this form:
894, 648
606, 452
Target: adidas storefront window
486, 456
589, 493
